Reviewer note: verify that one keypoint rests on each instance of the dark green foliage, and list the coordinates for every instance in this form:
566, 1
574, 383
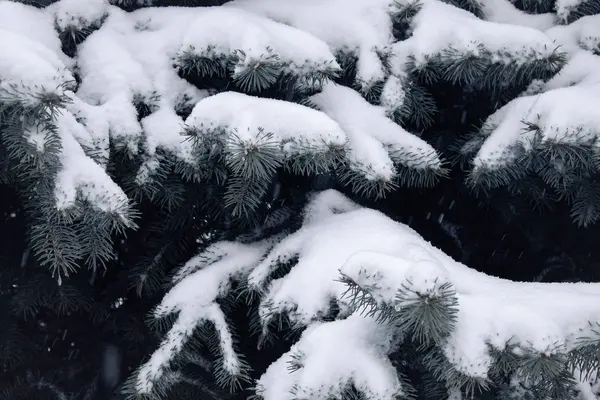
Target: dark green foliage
535, 6
473, 6
588, 7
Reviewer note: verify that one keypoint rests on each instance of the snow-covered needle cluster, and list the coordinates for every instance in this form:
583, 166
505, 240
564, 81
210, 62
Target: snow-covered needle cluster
113, 109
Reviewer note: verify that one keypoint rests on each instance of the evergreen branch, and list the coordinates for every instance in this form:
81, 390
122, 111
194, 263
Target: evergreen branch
586, 357
534, 6
256, 75
311, 83
210, 147
443, 370
472, 6
255, 158
419, 175
56, 247
206, 66
418, 107
401, 15
465, 69
429, 316
427, 71
314, 159
490, 177
96, 241
354, 176
578, 10
585, 209
361, 298
271, 322
535, 367
243, 197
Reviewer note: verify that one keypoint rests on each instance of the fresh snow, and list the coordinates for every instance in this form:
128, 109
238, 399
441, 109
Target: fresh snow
44, 67
564, 7
80, 175
565, 109
195, 306
225, 31
129, 60
299, 129
376, 142
361, 28
381, 256
505, 12
31, 23
463, 33
78, 14
333, 356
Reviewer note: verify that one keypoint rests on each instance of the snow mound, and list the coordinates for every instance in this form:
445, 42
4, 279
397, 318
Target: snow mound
358, 27
32, 23
299, 129
80, 176
505, 12
562, 111
491, 312
460, 34
373, 143
224, 33
31, 58
376, 143
331, 357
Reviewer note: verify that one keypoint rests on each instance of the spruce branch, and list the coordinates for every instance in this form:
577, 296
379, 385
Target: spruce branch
207, 66
473, 6
572, 12
256, 157
428, 317
255, 75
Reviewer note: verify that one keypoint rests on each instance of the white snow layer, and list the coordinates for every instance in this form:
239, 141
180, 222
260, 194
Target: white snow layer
131, 56
332, 356
565, 110
129, 61
78, 14
202, 280
381, 256
30, 51
466, 35
300, 129
360, 27
376, 143
80, 176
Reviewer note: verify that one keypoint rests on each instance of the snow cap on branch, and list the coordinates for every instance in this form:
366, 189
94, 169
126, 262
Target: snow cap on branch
562, 112
375, 142
332, 357
359, 28
388, 285
199, 284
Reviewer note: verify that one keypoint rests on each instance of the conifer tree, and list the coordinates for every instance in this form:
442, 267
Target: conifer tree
140, 136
